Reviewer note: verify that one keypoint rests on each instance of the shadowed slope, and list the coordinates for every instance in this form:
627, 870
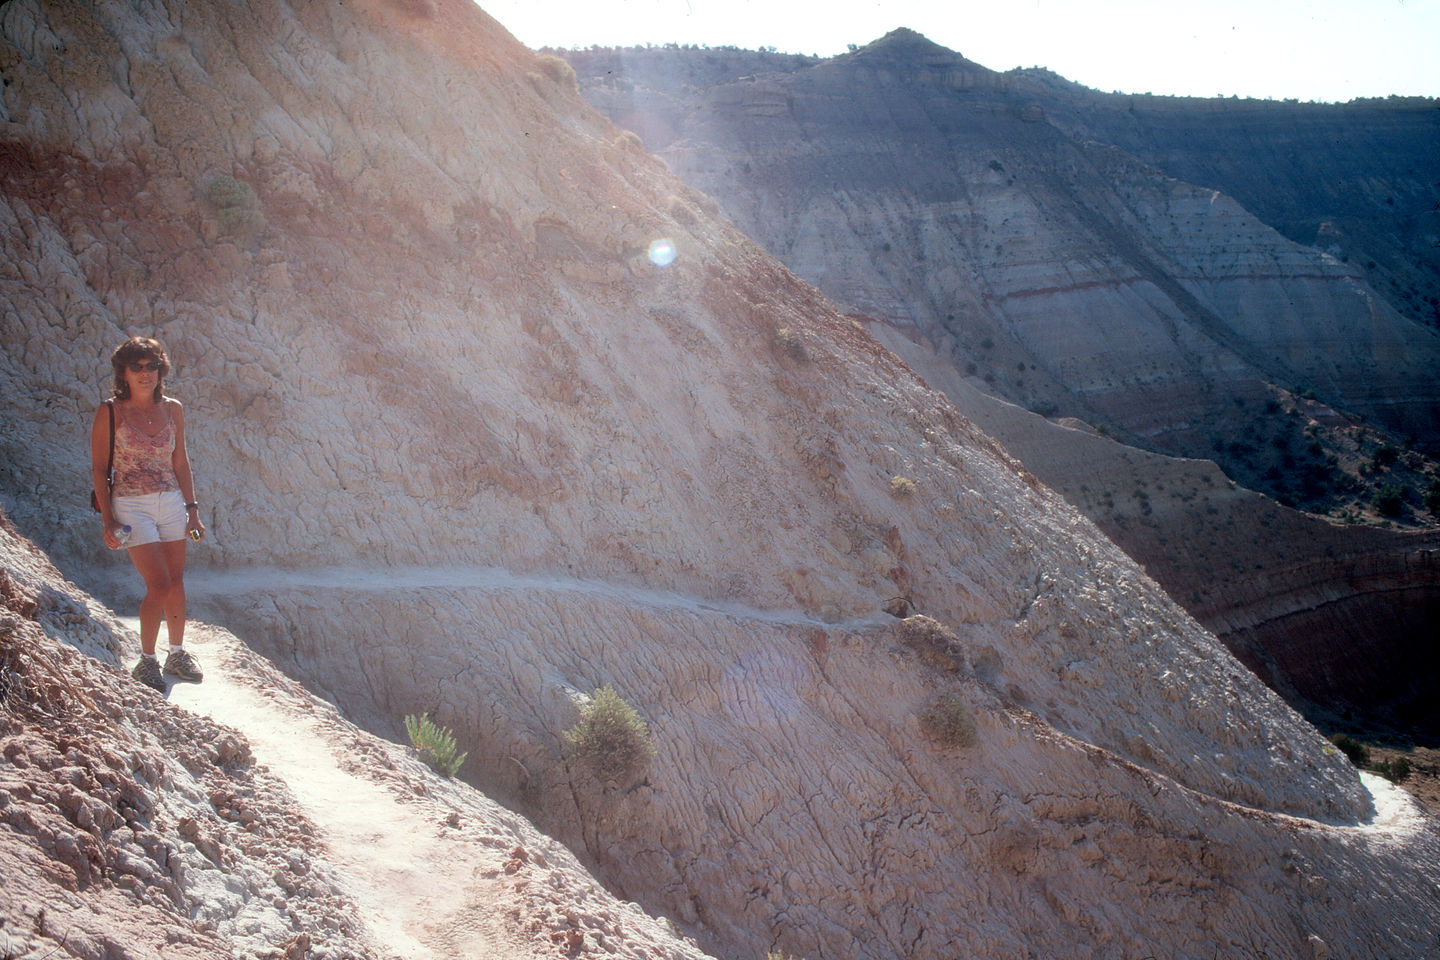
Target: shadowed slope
402, 269
1004, 245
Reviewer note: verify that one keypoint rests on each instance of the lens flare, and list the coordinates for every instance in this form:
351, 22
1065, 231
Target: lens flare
662, 253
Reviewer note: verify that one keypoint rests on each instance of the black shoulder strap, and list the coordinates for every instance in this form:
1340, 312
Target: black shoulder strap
110, 460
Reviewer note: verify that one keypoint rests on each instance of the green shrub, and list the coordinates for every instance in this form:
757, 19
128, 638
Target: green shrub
788, 342
902, 487
558, 70
1393, 770
947, 721
935, 644
1352, 748
1384, 457
238, 209
611, 739
435, 744
226, 192
1388, 500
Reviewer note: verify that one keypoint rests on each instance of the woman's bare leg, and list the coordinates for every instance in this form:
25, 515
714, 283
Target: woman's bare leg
150, 560
174, 555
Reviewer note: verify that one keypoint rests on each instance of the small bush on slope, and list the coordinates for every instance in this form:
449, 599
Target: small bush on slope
611, 739
237, 205
1352, 748
947, 721
1394, 770
435, 744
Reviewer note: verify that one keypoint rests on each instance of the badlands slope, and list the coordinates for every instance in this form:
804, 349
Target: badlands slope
1337, 618
991, 230
245, 818
464, 447
916, 187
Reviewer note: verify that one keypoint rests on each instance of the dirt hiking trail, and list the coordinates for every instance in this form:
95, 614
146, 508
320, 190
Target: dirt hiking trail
435, 869
412, 877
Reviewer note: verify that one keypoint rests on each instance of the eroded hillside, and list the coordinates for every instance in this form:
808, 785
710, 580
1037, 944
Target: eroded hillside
244, 818
465, 446
991, 229
1337, 618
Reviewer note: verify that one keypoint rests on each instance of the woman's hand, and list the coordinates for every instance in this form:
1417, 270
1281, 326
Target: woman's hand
194, 527
111, 540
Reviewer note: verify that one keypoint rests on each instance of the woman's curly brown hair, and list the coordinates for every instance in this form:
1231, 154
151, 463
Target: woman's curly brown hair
131, 351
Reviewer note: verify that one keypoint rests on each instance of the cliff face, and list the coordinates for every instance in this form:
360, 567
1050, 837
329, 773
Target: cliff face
1021, 239
1354, 180
914, 186
464, 446
1336, 617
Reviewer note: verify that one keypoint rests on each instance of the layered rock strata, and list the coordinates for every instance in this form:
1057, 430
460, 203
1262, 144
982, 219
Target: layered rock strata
1336, 617
1351, 179
406, 277
914, 186
997, 237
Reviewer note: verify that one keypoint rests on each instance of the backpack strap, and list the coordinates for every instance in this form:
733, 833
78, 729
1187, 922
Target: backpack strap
110, 460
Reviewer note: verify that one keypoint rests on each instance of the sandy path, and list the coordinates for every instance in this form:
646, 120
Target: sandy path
1397, 813
201, 582
411, 879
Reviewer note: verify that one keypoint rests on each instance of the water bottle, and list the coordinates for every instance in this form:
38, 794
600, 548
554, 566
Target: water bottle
123, 535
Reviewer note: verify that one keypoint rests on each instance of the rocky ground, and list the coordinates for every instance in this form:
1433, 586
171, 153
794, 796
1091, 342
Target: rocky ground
1423, 780
466, 448
1031, 245
243, 817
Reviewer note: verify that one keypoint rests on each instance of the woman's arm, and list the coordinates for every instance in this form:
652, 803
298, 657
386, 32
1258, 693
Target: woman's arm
99, 460
180, 460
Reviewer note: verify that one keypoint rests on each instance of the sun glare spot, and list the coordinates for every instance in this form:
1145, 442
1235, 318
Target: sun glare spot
662, 253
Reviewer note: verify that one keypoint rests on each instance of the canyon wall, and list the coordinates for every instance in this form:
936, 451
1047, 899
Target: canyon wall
911, 185
1355, 180
1023, 241
469, 439
1336, 617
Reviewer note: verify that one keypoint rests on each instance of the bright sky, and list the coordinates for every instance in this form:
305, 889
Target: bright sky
1276, 49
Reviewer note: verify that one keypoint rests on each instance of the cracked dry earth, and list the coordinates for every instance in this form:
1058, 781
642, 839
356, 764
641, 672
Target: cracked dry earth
410, 871
1133, 790
435, 870
791, 788
243, 817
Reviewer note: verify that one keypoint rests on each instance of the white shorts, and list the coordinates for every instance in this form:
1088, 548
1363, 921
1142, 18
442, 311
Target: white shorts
152, 517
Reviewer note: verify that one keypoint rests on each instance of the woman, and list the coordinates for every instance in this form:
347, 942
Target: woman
148, 502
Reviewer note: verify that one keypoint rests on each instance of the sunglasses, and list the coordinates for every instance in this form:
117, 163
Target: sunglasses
137, 367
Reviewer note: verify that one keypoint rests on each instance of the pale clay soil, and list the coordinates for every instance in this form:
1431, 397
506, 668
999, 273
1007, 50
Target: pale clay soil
435, 873
426, 885
410, 878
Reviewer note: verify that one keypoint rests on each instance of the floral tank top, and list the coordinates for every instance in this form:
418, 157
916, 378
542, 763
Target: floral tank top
143, 464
